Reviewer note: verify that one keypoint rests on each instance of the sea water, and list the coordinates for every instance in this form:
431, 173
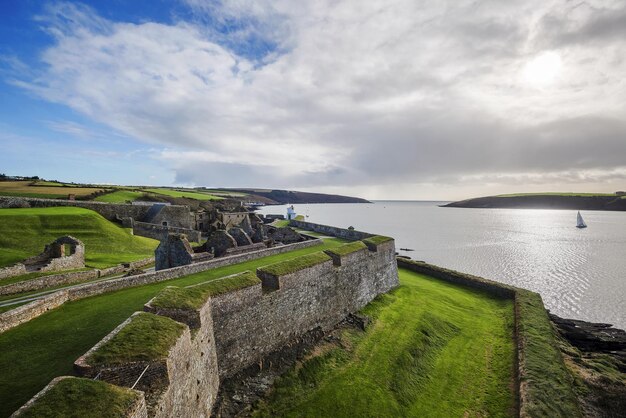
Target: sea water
580, 273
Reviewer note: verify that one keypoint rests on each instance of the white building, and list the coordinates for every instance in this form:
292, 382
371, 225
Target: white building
291, 213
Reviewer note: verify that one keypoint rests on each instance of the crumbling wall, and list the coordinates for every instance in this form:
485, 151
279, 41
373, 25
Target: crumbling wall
333, 231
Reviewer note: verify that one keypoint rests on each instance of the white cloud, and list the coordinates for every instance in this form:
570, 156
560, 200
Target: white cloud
355, 93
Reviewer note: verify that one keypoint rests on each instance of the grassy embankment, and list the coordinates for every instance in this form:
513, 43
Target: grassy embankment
189, 194
24, 232
46, 347
45, 190
434, 349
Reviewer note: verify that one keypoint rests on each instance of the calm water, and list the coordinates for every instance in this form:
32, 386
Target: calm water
579, 273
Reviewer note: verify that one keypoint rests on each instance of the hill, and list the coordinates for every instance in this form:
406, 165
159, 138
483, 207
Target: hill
576, 201
274, 197
24, 232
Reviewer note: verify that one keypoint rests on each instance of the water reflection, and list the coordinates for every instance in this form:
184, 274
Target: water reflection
579, 273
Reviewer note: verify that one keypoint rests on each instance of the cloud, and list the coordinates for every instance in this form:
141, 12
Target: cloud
343, 94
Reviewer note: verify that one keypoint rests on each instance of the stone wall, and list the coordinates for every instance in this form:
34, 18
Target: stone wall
175, 215
235, 330
155, 231
10, 319
250, 323
12, 271
49, 281
53, 280
333, 231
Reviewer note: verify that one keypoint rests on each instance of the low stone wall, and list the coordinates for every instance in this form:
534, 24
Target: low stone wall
12, 271
25, 313
32, 310
53, 280
333, 231
495, 288
158, 232
49, 281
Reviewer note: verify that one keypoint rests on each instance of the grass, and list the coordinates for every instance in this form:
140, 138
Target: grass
550, 393
24, 232
26, 189
119, 196
46, 347
187, 194
377, 239
349, 248
556, 194
77, 397
433, 350
147, 337
193, 297
290, 266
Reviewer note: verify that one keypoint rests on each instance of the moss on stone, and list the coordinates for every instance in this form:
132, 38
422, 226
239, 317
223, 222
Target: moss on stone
290, 266
77, 397
348, 248
195, 296
377, 240
146, 337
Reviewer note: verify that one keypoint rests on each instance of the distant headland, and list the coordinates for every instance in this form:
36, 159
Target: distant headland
578, 201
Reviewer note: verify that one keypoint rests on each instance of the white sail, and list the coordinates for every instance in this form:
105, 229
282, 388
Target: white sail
580, 223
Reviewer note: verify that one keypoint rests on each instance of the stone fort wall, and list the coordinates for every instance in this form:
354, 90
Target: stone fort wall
236, 329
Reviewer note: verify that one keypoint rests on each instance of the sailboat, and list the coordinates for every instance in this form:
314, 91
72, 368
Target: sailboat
579, 221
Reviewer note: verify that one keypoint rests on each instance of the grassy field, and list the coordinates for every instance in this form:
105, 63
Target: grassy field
188, 194
25, 188
24, 232
434, 350
46, 347
119, 196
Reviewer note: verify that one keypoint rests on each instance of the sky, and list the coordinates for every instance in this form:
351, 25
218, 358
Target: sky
393, 99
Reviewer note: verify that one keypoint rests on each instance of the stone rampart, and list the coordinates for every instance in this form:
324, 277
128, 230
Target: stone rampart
174, 215
32, 310
236, 328
159, 232
333, 231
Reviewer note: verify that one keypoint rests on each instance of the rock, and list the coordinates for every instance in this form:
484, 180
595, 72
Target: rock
589, 336
173, 251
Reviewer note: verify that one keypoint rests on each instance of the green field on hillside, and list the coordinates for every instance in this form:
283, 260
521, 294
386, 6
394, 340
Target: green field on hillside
46, 347
187, 194
434, 349
43, 190
119, 196
25, 232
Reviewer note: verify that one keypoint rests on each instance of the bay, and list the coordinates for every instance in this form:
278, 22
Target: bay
580, 273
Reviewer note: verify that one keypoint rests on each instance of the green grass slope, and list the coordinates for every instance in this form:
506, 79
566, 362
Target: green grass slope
119, 196
46, 347
187, 194
434, 350
24, 232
